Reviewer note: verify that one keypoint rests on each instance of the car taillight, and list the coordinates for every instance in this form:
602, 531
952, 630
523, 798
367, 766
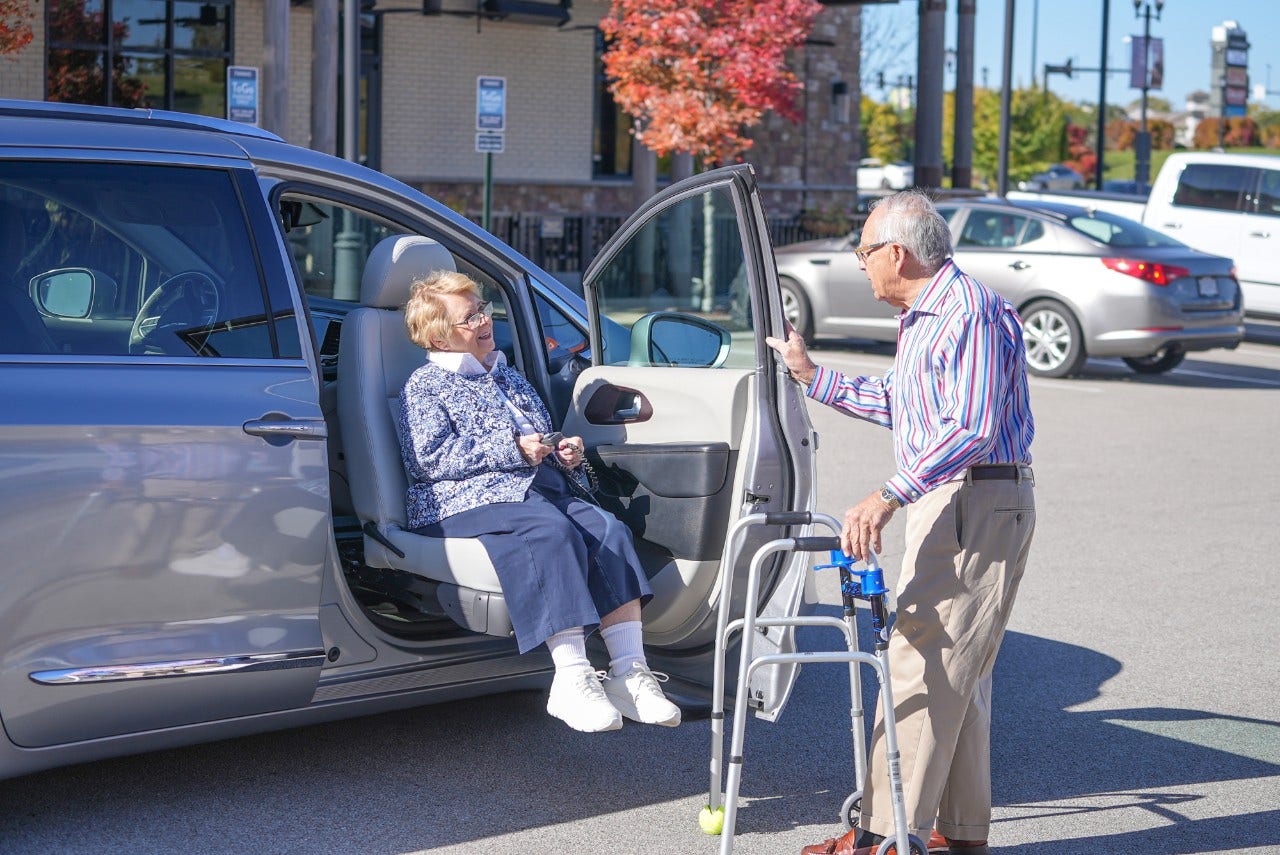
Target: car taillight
1150, 271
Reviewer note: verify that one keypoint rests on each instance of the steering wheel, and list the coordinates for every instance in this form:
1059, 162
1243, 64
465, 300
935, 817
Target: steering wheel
185, 301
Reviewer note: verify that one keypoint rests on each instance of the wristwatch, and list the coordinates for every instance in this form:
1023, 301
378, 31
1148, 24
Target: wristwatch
887, 496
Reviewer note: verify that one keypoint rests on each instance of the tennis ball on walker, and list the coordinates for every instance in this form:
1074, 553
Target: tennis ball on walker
711, 821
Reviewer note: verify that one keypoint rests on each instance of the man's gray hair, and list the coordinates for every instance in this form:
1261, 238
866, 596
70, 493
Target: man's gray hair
909, 219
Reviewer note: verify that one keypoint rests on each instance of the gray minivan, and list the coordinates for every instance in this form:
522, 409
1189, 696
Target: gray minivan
201, 498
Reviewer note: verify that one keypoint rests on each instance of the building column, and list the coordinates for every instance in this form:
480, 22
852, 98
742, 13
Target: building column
275, 66
962, 148
930, 68
324, 76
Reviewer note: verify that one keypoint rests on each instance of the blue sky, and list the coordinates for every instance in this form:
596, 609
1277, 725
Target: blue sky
1072, 29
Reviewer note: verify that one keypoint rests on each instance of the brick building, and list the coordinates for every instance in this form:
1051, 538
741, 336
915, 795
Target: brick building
566, 149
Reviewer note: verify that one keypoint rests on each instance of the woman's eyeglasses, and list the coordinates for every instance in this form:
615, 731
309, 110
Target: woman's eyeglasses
478, 317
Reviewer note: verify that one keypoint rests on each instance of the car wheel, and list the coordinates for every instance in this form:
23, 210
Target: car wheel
795, 308
1165, 359
1055, 347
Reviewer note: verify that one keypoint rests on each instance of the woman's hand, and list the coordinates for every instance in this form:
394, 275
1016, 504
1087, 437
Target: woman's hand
532, 449
570, 451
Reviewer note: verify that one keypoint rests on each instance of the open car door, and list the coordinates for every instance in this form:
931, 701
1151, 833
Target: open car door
689, 419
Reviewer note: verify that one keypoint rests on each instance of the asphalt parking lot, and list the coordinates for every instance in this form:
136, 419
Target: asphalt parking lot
1136, 694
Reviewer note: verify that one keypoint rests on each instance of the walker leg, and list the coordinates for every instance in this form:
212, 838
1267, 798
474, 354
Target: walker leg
893, 758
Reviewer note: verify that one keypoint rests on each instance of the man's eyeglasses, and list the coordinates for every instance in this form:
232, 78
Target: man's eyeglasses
863, 251
478, 317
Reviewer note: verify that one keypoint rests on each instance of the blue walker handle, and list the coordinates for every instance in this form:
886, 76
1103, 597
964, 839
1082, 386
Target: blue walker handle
870, 579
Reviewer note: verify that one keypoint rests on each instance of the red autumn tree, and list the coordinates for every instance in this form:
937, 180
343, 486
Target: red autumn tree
1080, 156
78, 77
15, 25
696, 74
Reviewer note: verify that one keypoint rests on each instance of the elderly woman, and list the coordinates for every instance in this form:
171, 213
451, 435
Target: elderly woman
471, 430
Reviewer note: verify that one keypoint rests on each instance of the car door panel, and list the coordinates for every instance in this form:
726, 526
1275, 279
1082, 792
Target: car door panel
670, 475
171, 541
700, 249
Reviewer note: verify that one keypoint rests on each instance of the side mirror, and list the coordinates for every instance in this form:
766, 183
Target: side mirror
678, 340
65, 293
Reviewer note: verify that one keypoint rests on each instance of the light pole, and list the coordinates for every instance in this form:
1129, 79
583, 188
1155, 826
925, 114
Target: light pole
1142, 167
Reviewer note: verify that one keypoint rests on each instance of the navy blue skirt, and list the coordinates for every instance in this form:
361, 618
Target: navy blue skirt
562, 561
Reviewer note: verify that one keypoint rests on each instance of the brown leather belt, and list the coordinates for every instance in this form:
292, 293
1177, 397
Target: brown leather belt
1000, 472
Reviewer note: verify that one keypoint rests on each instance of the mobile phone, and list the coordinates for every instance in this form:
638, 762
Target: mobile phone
552, 439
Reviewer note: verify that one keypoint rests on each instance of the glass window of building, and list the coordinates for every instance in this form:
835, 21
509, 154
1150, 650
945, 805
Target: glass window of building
164, 54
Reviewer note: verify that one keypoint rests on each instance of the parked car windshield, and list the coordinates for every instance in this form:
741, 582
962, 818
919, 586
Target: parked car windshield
1118, 231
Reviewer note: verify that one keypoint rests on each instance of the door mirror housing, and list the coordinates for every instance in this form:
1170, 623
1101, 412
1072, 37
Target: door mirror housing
65, 293
678, 340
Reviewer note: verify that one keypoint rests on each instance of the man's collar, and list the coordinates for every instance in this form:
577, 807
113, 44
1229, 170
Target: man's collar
932, 294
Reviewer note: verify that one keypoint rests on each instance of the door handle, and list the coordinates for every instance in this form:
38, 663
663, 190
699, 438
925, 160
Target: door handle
1019, 265
1172, 225
1260, 234
820, 261
278, 429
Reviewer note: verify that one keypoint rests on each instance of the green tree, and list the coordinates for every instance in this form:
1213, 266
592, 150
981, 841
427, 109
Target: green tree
1037, 132
884, 131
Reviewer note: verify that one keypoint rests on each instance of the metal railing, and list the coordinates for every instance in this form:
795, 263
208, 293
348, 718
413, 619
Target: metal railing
566, 243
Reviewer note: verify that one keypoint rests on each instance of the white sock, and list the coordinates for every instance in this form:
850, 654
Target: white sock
569, 649
625, 642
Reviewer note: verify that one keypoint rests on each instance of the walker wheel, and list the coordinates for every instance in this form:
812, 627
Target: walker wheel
851, 809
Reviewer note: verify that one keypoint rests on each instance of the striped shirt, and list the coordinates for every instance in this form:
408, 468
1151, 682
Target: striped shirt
956, 395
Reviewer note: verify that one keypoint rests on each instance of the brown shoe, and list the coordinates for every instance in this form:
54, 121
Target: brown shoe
847, 844
842, 845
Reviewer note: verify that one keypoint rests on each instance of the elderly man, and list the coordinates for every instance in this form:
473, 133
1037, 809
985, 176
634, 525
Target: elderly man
956, 400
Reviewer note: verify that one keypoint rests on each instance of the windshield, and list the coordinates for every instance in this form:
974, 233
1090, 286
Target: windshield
1118, 231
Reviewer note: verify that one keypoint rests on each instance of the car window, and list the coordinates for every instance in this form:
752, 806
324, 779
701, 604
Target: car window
1269, 193
562, 337
117, 259
1118, 231
996, 230
948, 212
689, 259
1212, 185
330, 244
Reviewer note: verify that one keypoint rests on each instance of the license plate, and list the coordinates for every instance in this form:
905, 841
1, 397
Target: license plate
1208, 286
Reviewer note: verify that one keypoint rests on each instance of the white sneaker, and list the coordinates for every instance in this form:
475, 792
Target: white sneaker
638, 696
578, 699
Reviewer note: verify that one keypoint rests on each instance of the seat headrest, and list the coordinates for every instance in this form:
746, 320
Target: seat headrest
395, 263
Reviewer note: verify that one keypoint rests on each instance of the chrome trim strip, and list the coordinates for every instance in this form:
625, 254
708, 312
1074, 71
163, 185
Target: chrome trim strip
181, 668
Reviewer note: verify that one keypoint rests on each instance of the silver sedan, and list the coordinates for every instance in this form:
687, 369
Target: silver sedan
1086, 283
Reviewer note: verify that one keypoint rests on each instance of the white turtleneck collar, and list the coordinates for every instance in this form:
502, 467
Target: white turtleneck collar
465, 363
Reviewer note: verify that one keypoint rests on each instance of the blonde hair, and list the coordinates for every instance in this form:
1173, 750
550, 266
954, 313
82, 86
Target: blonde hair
425, 315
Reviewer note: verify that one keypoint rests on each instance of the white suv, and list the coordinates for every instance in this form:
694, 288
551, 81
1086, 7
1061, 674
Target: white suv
873, 174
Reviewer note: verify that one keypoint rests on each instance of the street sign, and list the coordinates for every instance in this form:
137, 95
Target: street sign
489, 143
242, 94
491, 103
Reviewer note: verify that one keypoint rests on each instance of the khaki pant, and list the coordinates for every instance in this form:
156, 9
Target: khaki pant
967, 545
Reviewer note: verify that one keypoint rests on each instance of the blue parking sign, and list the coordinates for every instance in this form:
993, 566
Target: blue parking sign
491, 103
242, 94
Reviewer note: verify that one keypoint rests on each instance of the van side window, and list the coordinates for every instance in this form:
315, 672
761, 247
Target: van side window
330, 244
1269, 193
129, 260
1212, 185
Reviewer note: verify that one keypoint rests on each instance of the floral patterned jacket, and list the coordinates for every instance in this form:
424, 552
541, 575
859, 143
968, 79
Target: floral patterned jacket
457, 437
